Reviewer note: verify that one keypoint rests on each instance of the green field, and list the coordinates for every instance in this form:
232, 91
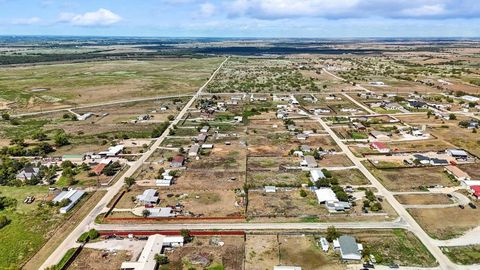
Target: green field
463, 255
95, 82
29, 228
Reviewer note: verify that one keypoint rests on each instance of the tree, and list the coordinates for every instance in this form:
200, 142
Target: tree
303, 193
170, 117
332, 233
452, 116
146, 213
429, 114
161, 259
186, 235
129, 181
61, 139
40, 136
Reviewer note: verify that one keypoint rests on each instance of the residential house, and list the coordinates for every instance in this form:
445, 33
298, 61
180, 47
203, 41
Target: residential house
156, 244
177, 161
349, 249
457, 173
193, 151
28, 173
309, 162
380, 147
149, 196
202, 137
380, 135
458, 154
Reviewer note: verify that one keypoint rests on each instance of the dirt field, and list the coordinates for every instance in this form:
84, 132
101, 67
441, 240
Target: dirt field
221, 157
283, 203
471, 169
410, 179
209, 180
267, 178
428, 199
261, 252
350, 177
335, 161
433, 221
203, 253
303, 251
460, 137
270, 163
98, 260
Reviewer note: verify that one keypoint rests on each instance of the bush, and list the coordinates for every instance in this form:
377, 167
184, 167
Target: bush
4, 221
303, 193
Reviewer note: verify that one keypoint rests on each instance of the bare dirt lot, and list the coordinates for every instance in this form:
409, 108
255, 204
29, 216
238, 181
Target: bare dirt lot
286, 203
99, 260
265, 251
268, 178
209, 180
419, 199
204, 252
411, 179
433, 221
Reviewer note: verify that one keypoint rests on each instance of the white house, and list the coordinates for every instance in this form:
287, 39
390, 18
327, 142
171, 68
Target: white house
155, 245
316, 174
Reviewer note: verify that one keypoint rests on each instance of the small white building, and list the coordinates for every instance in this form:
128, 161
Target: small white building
270, 189
149, 196
349, 249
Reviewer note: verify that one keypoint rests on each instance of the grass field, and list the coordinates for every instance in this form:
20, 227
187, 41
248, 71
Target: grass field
93, 82
29, 228
463, 255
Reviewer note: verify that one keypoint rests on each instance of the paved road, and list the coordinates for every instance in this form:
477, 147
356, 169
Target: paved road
89, 220
97, 105
398, 224
443, 261
359, 104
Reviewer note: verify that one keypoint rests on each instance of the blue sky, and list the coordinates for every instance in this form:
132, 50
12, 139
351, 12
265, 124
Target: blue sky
242, 18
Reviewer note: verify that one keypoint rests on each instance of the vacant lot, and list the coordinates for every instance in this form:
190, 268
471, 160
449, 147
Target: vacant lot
267, 178
99, 260
411, 179
221, 157
463, 255
270, 163
460, 137
283, 204
94, 82
300, 250
205, 253
396, 246
261, 252
428, 199
433, 221
209, 180
350, 177
340, 160
471, 169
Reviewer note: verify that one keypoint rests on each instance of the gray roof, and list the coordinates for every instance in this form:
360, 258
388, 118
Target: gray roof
348, 245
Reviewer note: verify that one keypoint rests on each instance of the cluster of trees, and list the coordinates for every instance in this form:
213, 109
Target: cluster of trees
70, 170
6, 202
158, 131
371, 202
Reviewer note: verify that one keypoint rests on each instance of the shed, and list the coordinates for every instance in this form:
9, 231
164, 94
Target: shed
149, 196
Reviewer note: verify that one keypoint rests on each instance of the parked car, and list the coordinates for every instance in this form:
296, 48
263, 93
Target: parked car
394, 266
472, 205
449, 195
461, 206
368, 266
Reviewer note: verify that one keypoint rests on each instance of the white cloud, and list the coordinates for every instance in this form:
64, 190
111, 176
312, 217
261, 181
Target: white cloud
26, 21
101, 17
280, 9
426, 10
207, 9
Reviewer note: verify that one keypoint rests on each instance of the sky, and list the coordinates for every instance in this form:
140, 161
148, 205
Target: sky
242, 18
